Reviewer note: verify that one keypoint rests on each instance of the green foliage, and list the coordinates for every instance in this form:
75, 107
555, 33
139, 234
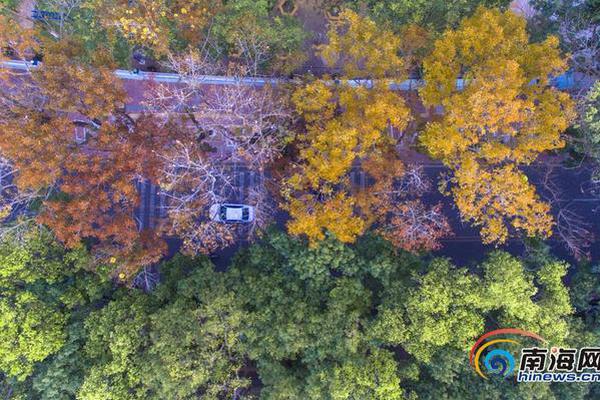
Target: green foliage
60, 377
587, 137
512, 292
10, 4
37, 257
45, 290
307, 317
85, 29
326, 322
444, 308
449, 376
115, 336
177, 341
449, 307
247, 31
372, 377
585, 291
30, 331
40, 282
436, 15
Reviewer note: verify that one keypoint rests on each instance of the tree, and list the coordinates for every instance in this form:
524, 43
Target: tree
439, 314
21, 43
374, 376
158, 25
329, 321
41, 284
512, 297
31, 331
247, 32
193, 183
319, 189
498, 199
393, 201
576, 23
436, 15
335, 140
252, 122
428, 314
307, 329
178, 341
587, 138
539, 302
216, 131
88, 189
346, 130
362, 49
61, 375
15, 204
324, 321
503, 73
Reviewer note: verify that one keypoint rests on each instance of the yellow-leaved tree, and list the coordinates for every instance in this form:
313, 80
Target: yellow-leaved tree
501, 115
346, 128
153, 23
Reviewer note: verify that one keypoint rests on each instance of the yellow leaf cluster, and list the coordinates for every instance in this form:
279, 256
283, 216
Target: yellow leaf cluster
362, 48
499, 198
345, 123
334, 142
504, 116
311, 218
149, 22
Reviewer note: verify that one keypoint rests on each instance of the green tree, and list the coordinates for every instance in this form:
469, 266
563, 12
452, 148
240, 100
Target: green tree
60, 376
503, 294
586, 138
538, 302
436, 15
262, 42
173, 343
39, 288
30, 330
438, 313
447, 306
308, 312
331, 321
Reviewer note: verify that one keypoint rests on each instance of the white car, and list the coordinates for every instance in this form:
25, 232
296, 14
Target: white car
231, 213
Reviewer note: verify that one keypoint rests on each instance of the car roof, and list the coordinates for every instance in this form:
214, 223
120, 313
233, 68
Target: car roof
233, 213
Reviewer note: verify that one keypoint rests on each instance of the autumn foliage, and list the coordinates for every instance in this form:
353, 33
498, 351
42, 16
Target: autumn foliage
346, 128
500, 116
90, 187
151, 23
505, 116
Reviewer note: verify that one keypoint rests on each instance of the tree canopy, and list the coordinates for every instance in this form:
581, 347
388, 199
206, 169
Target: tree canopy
504, 115
331, 321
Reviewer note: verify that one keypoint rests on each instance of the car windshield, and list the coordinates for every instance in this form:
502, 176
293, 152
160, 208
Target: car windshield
223, 213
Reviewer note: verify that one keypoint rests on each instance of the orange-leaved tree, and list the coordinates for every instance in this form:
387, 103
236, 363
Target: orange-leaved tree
89, 187
501, 115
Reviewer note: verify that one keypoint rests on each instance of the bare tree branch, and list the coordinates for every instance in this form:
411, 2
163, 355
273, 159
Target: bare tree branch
571, 229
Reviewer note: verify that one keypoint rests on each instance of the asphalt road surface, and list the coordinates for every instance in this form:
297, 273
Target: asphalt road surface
571, 190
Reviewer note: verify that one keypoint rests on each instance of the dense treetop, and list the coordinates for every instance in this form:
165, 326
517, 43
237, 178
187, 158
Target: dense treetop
323, 322
347, 302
